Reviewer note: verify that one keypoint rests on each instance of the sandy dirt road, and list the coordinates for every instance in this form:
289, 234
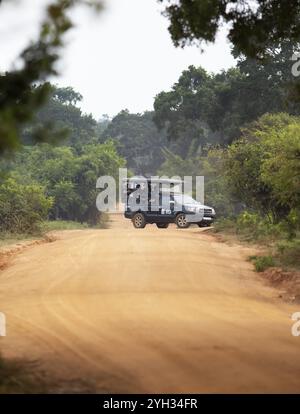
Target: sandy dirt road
148, 311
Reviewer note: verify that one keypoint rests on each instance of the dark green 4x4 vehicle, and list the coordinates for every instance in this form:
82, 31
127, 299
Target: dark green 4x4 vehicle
148, 201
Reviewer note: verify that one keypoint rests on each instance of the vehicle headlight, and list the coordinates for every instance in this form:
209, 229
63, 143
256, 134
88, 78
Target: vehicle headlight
191, 209
213, 211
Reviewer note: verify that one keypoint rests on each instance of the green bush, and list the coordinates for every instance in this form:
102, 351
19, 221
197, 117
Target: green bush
262, 263
22, 207
291, 225
252, 226
56, 225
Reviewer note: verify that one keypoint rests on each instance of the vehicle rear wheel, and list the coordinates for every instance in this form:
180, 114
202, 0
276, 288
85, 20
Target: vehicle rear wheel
162, 225
139, 221
181, 221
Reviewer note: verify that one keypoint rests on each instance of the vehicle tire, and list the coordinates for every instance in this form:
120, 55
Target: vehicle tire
181, 221
139, 221
162, 225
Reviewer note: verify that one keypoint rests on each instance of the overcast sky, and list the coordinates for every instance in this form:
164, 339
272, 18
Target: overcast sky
119, 59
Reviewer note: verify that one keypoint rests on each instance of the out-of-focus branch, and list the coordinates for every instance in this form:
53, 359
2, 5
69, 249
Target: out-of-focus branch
19, 99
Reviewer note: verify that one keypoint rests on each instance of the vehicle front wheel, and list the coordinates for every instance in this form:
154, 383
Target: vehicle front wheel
181, 221
162, 225
139, 221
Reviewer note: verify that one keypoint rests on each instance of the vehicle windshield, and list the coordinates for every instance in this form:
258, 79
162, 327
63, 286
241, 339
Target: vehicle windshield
184, 199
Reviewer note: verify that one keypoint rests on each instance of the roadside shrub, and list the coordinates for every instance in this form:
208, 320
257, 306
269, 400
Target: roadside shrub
262, 263
263, 169
22, 207
291, 225
254, 227
288, 252
247, 222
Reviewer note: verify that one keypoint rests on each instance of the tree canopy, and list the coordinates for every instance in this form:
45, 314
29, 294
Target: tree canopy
60, 119
202, 103
252, 25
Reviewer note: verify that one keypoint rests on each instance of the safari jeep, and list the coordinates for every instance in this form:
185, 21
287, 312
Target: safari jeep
165, 207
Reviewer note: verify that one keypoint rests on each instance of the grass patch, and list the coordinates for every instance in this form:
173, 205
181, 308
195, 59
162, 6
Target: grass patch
18, 377
57, 225
226, 225
26, 377
7, 238
14, 238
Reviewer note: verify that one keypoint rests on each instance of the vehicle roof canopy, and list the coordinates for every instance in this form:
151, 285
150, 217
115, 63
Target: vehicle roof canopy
153, 180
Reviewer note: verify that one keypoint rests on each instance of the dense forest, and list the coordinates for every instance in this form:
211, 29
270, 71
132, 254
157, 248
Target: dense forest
56, 181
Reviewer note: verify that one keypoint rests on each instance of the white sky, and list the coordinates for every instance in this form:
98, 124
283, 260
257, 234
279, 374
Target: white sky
118, 59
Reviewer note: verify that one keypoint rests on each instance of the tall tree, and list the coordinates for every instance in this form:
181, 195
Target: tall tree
137, 140
64, 119
184, 111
